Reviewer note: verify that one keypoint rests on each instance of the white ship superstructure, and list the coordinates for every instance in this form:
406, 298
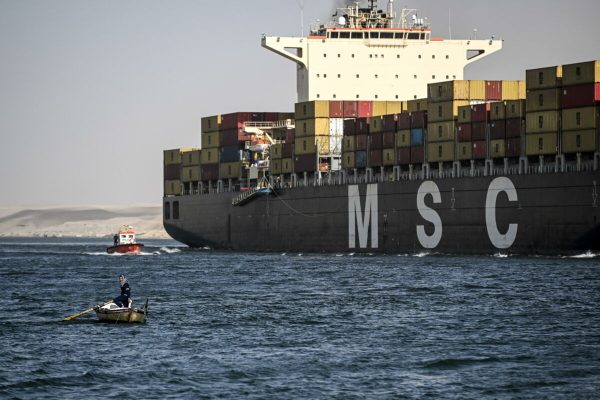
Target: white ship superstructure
369, 54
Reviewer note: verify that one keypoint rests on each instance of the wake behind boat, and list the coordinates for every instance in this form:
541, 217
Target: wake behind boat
124, 242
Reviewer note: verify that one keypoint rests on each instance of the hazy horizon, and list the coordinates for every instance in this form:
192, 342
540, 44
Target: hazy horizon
93, 92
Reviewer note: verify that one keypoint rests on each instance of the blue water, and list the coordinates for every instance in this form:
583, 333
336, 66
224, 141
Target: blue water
297, 326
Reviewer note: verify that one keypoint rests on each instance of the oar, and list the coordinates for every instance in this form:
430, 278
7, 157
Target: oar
89, 310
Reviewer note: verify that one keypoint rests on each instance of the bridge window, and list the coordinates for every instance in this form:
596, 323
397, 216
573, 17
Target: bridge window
399, 35
356, 35
413, 36
374, 35
433, 56
167, 210
423, 36
376, 76
386, 35
339, 55
334, 35
324, 55
432, 76
339, 75
415, 78
357, 75
376, 96
352, 55
344, 35
397, 96
358, 96
397, 55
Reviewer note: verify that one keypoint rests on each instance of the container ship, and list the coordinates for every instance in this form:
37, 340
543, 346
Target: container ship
390, 150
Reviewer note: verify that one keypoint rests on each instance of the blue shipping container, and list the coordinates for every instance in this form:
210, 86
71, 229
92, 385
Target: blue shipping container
416, 136
360, 159
230, 154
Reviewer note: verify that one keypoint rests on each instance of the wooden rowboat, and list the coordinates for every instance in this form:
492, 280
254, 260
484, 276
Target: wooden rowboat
112, 313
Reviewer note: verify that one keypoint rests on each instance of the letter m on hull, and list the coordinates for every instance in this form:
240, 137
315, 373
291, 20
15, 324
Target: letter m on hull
363, 221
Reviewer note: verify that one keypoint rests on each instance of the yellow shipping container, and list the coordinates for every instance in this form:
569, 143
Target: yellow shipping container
445, 111
379, 108
542, 122
395, 107
465, 151
229, 170
275, 167
312, 145
440, 152
172, 188
172, 157
580, 118
515, 109
544, 78
541, 144
190, 157
403, 138
210, 124
543, 99
497, 148
287, 166
348, 143
276, 151
348, 160
581, 73
464, 114
497, 111
191, 174
312, 127
375, 124
440, 131
389, 157
513, 90
209, 140
209, 156
312, 109
417, 105
477, 90
585, 141
449, 90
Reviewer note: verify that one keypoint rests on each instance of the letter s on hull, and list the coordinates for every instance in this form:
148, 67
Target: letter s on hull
499, 240
429, 242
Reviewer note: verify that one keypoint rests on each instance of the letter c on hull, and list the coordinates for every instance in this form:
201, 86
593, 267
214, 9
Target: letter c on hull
499, 240
429, 214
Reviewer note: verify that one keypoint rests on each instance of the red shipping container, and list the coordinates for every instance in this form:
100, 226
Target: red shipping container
389, 140
514, 127
375, 158
404, 121
581, 95
350, 109
390, 123
365, 109
336, 109
480, 112
362, 126
497, 130
404, 155
349, 127
464, 132
416, 155
209, 172
513, 147
478, 130
287, 150
493, 90
305, 163
418, 119
376, 141
480, 150
290, 136
235, 120
172, 172
271, 116
361, 142
231, 137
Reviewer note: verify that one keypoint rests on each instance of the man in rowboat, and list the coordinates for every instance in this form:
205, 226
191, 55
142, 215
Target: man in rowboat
123, 300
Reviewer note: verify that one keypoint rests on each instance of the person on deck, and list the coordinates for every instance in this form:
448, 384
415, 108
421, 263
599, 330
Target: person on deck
125, 297
116, 239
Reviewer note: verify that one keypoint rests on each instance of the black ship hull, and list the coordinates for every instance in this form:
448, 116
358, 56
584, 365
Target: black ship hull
549, 214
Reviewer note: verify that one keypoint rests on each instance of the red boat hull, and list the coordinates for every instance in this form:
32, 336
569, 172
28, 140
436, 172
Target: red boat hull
125, 248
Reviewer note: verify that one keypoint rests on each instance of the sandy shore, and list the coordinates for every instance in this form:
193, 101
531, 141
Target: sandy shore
85, 221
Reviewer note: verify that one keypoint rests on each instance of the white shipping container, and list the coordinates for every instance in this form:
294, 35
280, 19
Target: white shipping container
336, 126
335, 144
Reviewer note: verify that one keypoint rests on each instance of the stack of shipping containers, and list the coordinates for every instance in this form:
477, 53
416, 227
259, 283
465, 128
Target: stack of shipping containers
354, 145
172, 172
515, 127
190, 170
312, 134
410, 133
209, 153
580, 103
543, 111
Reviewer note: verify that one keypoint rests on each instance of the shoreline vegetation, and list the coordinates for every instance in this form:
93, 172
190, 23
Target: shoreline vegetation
81, 221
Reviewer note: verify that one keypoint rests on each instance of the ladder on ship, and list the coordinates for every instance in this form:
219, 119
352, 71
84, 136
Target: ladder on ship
264, 188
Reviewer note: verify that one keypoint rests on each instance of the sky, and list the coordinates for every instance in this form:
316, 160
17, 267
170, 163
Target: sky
92, 92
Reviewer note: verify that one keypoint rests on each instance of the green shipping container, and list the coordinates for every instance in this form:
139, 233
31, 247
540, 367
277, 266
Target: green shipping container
581, 141
440, 131
581, 73
544, 78
541, 144
543, 99
580, 118
440, 152
542, 122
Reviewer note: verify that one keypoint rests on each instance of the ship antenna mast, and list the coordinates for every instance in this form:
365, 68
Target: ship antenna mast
404, 14
373, 4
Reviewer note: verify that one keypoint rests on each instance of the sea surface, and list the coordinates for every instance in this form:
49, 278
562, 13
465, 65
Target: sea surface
226, 325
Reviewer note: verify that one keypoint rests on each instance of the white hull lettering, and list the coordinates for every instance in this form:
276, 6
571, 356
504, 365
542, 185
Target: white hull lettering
364, 221
499, 240
430, 215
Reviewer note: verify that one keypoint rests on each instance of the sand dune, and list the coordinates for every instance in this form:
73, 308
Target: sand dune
87, 221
